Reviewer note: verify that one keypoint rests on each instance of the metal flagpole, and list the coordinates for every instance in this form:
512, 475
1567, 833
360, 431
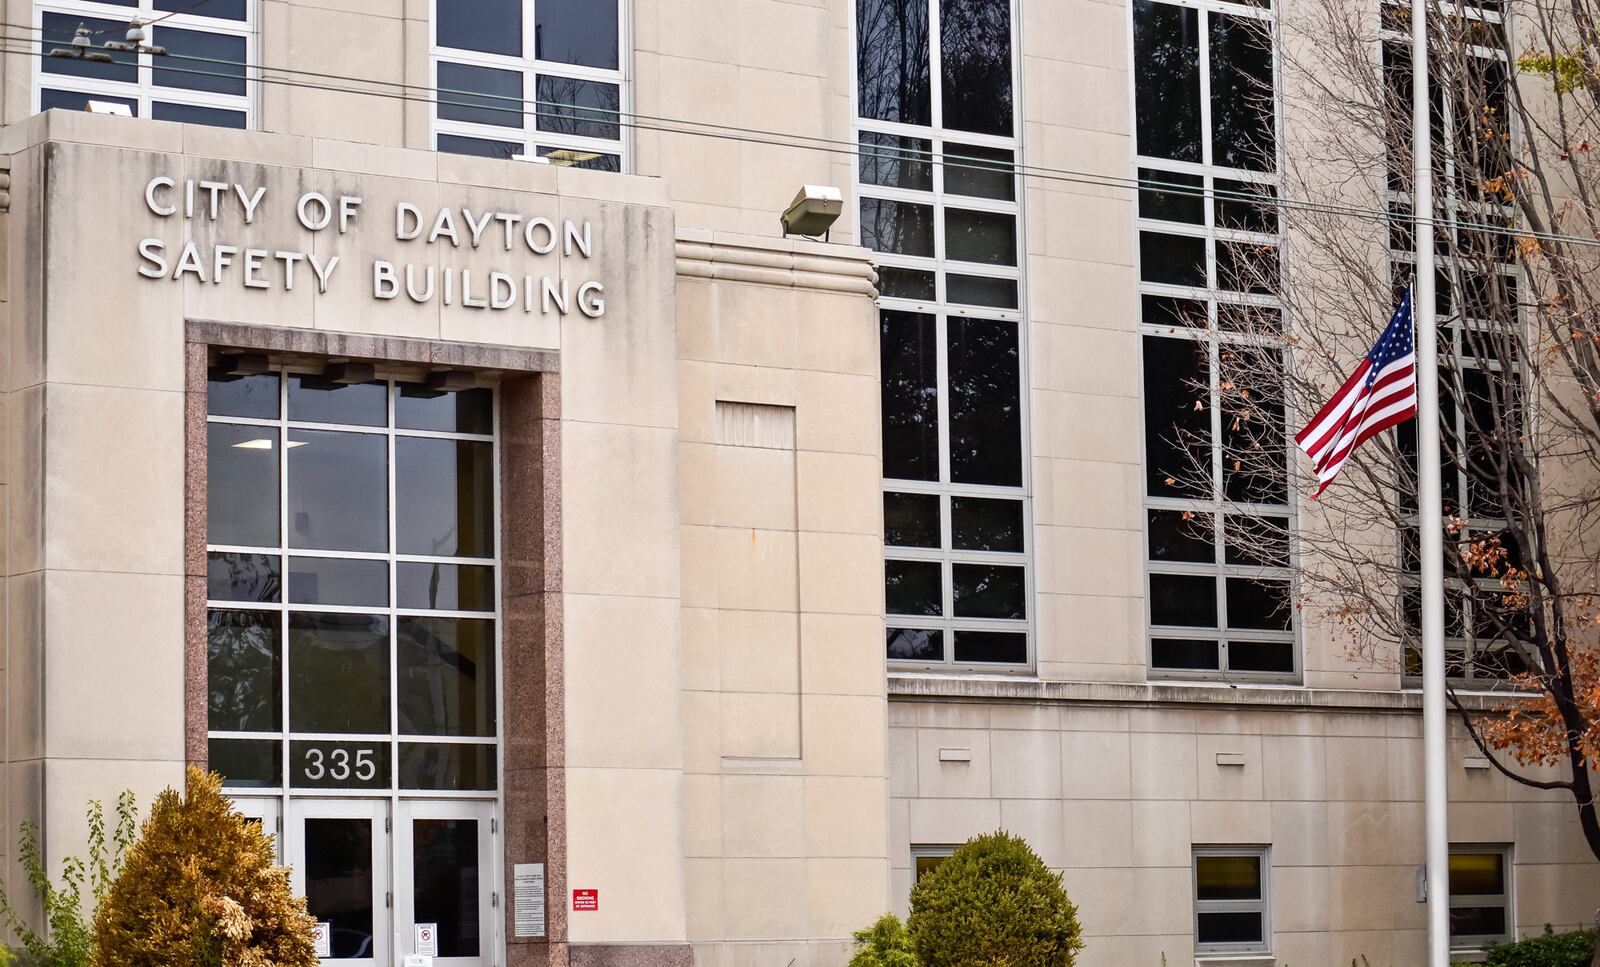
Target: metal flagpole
1430, 509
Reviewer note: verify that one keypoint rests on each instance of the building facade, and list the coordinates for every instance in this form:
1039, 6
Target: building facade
415, 413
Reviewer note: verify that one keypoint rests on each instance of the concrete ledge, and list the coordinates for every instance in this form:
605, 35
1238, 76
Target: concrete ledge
789, 263
324, 342
631, 955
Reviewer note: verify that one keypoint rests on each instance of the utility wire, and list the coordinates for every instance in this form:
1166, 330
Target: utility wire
570, 112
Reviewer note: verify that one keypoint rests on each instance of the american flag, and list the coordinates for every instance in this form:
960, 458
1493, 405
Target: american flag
1381, 393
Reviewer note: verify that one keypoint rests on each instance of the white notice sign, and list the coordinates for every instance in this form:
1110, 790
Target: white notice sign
428, 939
528, 881
322, 939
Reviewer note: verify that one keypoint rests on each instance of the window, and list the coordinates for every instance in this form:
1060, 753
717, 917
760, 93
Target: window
1217, 512
939, 204
926, 859
1231, 901
202, 79
536, 78
1480, 896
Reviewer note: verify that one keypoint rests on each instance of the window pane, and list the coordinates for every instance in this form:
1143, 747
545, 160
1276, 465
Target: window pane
1247, 267
1166, 58
1261, 656
886, 159
975, 51
1227, 877
913, 587
77, 101
479, 147
436, 765
460, 411
1241, 317
1184, 654
1228, 928
909, 348
338, 491
979, 172
243, 651
978, 290
481, 95
988, 591
897, 227
446, 669
979, 524
444, 497
1165, 310
242, 485
242, 577
898, 283
989, 238
444, 881
1177, 424
1258, 541
1158, 198
911, 520
892, 59
991, 646
313, 399
1235, 210
1172, 259
580, 158
1177, 535
338, 581
339, 882
1185, 600
200, 60
490, 26
221, 9
1477, 921
58, 31
1242, 131
1254, 464
583, 109
338, 673
339, 765
444, 587
915, 644
1477, 874
576, 32
194, 114
985, 417
1259, 604
244, 763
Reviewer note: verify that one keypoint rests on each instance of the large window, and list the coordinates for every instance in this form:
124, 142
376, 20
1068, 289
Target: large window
1216, 470
1480, 896
939, 204
1232, 905
203, 78
535, 78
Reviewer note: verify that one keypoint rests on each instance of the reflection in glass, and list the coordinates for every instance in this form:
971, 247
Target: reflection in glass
979, 172
897, 227
911, 520
585, 109
444, 881
78, 101
195, 114
444, 497
480, 95
444, 587
446, 766
218, 64
338, 673
490, 26
975, 53
1177, 422
1171, 196
243, 651
1242, 129
338, 491
245, 763
582, 32
581, 158
980, 524
478, 147
1166, 60
58, 31
313, 399
987, 591
913, 587
981, 290
1227, 877
338, 581
897, 162
1477, 874
1180, 535
985, 412
456, 411
909, 345
242, 577
987, 238
892, 61
898, 283
915, 644
253, 397
339, 882
221, 9
446, 669
241, 485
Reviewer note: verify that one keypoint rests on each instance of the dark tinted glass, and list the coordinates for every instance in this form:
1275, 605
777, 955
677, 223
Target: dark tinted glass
255, 397
215, 117
446, 676
1477, 921
1261, 656
892, 61
338, 673
1180, 535
1259, 604
221, 9
1172, 259
980, 524
437, 765
1243, 317
1163, 310
580, 158
886, 159
491, 26
1254, 437
1184, 654
576, 32
1477, 874
242, 485
991, 646
985, 418
1227, 878
585, 109
198, 60
78, 101
913, 587
1258, 541
911, 520
988, 238
1247, 267
1166, 59
58, 31
313, 399
988, 591
339, 882
444, 881
339, 765
338, 581
1183, 600
1177, 423
479, 147
977, 290
897, 283
481, 95
975, 51
1171, 196
1236, 209
1228, 928
444, 587
915, 644
908, 343
1242, 129
462, 411
245, 763
444, 497
897, 227
338, 491
242, 577
979, 172
243, 652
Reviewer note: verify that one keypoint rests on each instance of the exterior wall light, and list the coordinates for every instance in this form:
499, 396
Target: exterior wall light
813, 211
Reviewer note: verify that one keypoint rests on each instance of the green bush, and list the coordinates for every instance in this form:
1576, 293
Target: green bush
884, 944
993, 903
1551, 949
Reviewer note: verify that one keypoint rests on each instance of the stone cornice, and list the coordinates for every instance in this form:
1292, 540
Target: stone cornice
790, 263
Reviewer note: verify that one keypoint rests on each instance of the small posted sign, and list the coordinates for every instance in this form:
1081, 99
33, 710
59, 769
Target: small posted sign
322, 939
428, 939
528, 878
586, 899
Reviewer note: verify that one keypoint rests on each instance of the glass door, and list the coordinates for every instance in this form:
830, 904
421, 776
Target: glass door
446, 875
264, 813
338, 850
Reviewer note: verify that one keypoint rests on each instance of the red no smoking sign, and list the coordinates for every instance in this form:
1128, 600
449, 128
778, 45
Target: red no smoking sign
585, 899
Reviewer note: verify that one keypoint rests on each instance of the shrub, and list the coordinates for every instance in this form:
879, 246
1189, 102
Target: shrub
1573, 949
884, 944
67, 941
994, 903
200, 889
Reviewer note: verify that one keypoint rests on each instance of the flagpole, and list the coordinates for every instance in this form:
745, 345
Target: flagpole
1430, 509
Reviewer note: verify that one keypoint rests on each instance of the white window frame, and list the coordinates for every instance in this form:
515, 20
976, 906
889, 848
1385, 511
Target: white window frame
1263, 905
937, 200
145, 91
530, 67
1473, 942
929, 851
